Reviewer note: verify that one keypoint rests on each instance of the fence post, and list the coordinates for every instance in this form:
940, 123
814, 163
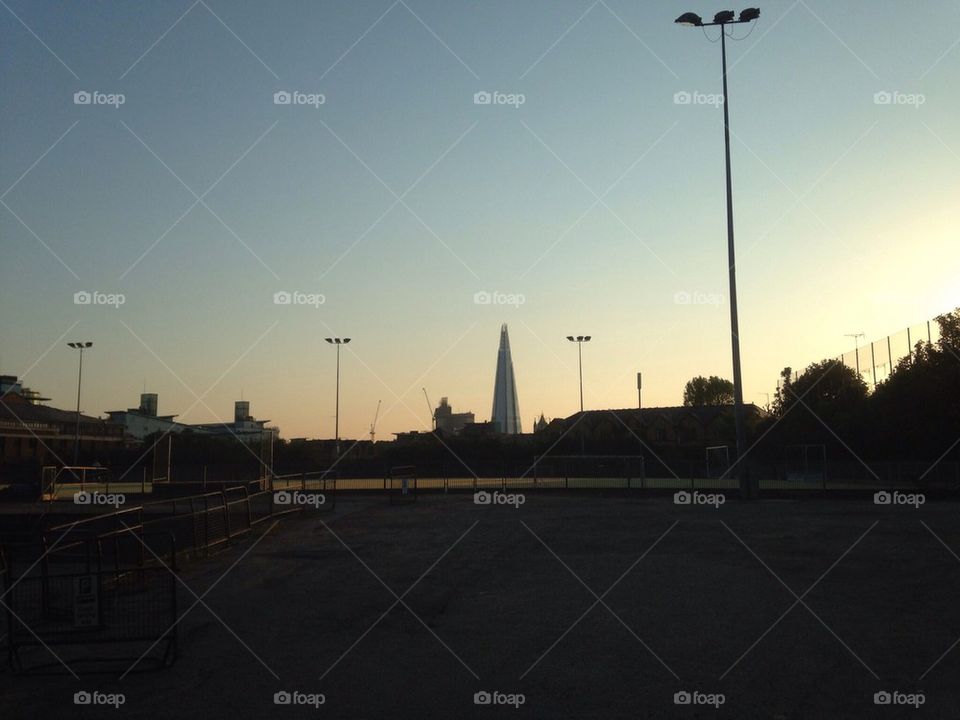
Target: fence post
143, 481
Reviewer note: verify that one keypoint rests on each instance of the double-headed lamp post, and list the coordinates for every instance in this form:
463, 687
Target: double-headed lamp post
81, 346
338, 342
749, 488
580, 340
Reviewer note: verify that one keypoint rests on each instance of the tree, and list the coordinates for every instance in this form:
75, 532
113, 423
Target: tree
711, 390
828, 389
915, 414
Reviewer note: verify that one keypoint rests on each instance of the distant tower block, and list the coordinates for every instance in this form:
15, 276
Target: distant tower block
148, 404
506, 410
241, 410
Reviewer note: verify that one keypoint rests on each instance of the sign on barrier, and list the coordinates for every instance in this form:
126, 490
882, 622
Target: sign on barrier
402, 484
87, 607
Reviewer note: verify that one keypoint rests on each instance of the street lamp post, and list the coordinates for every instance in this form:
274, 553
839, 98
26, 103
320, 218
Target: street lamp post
749, 488
580, 340
338, 342
81, 346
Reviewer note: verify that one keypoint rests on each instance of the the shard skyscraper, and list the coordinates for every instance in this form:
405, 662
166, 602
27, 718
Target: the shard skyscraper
506, 411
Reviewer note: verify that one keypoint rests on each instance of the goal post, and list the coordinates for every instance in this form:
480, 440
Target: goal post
805, 463
718, 461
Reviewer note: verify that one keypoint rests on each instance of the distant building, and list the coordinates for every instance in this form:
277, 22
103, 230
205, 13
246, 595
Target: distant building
12, 384
448, 421
142, 421
244, 426
681, 426
138, 423
506, 409
478, 430
540, 423
31, 432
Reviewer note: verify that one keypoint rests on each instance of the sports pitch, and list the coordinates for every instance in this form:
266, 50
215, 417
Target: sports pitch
583, 605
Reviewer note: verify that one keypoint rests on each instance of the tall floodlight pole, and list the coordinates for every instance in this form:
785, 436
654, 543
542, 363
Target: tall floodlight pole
580, 340
81, 346
336, 432
749, 488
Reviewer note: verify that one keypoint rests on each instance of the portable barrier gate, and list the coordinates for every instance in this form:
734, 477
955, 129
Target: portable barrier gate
402, 484
97, 605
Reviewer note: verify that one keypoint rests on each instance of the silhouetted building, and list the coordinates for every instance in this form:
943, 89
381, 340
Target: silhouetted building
31, 432
244, 425
139, 422
448, 421
540, 423
506, 409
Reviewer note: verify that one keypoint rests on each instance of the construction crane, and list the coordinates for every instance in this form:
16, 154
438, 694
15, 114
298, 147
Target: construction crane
433, 413
373, 425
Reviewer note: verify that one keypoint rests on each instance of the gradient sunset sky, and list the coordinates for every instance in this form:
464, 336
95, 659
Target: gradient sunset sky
598, 202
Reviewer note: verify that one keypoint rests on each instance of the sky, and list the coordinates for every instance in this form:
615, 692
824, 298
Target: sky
399, 209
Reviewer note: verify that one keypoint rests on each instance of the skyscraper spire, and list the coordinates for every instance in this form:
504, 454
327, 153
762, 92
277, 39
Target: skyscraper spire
506, 410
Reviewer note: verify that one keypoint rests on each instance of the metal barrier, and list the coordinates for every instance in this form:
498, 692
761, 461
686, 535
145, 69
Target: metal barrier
401, 484
99, 592
196, 522
587, 471
316, 489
